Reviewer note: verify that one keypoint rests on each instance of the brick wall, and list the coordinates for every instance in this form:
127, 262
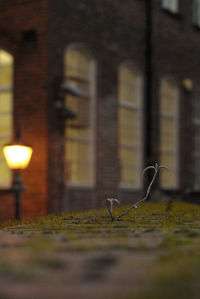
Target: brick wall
108, 30
115, 31
17, 19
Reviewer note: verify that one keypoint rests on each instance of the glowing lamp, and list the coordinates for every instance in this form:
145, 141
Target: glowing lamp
17, 155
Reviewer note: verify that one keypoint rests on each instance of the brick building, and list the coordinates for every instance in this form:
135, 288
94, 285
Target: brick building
130, 73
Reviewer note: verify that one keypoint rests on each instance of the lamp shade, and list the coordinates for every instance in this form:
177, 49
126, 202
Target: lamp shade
17, 155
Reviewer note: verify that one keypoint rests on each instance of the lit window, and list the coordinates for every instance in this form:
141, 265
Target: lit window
196, 12
196, 152
171, 5
6, 118
169, 133
130, 127
80, 75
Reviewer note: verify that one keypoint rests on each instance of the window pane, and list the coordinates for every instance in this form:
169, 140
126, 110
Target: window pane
72, 171
5, 58
77, 151
5, 102
167, 125
83, 152
81, 108
5, 75
5, 174
128, 136
128, 158
6, 62
5, 124
127, 92
127, 87
128, 131
127, 116
77, 161
83, 172
167, 104
77, 64
72, 150
167, 142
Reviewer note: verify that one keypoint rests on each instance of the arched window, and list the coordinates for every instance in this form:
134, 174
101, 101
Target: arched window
80, 77
169, 108
6, 113
130, 100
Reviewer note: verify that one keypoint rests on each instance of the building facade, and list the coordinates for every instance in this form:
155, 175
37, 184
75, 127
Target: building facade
100, 89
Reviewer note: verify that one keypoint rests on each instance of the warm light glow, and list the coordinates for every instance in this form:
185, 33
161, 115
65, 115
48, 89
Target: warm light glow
17, 156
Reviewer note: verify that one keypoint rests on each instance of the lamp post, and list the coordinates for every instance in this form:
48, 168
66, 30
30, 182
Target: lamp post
17, 156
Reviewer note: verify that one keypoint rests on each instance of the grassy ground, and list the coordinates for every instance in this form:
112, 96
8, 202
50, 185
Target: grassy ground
150, 253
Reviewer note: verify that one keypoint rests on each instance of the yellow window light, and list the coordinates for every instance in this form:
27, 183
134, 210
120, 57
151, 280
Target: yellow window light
17, 156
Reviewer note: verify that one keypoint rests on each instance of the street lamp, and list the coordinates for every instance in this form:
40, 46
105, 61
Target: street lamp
17, 156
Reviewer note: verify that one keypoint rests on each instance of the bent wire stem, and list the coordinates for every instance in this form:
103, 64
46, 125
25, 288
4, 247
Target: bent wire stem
134, 206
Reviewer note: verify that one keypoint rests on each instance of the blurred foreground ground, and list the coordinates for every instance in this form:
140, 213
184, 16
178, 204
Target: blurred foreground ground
150, 253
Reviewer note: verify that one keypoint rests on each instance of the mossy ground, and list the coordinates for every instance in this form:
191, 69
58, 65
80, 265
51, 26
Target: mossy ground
150, 253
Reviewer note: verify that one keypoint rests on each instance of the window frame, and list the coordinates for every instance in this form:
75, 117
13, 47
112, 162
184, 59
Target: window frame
92, 78
139, 107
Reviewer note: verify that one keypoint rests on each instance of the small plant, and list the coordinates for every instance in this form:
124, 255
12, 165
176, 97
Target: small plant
110, 201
